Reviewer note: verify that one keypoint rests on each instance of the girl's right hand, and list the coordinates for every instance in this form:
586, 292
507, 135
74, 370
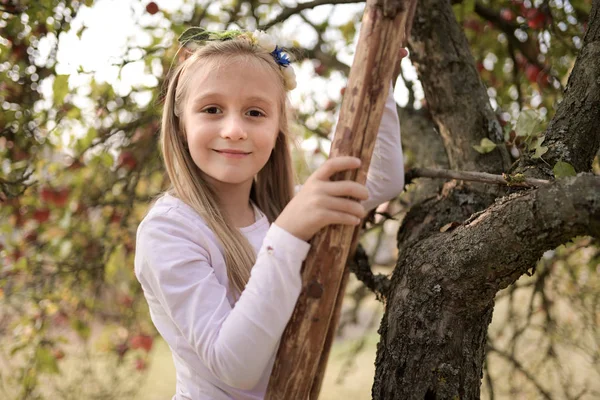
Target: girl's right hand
322, 202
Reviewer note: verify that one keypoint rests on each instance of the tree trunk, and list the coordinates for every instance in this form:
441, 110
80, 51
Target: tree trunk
459, 247
434, 348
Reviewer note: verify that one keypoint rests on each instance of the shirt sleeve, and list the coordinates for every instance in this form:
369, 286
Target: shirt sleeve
385, 179
235, 344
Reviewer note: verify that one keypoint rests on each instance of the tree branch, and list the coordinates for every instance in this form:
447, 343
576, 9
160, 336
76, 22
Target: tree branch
289, 11
545, 394
483, 177
496, 246
456, 98
379, 284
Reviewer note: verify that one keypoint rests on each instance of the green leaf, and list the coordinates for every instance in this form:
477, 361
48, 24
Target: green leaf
115, 264
81, 328
85, 142
194, 34
538, 148
527, 123
507, 128
60, 87
563, 169
468, 6
46, 361
485, 146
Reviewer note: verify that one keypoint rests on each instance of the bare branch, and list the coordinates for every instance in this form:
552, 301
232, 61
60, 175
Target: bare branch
360, 266
522, 369
289, 11
483, 177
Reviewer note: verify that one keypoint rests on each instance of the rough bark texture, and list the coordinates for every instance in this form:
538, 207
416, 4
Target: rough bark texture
446, 69
441, 296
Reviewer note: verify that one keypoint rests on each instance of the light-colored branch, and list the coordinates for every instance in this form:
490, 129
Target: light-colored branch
483, 177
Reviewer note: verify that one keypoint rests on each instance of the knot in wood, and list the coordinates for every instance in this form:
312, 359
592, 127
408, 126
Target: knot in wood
391, 8
314, 289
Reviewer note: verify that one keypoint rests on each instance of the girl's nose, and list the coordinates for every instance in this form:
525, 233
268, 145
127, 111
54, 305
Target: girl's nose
234, 129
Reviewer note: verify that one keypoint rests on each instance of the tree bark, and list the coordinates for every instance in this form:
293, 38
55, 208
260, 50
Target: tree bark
455, 95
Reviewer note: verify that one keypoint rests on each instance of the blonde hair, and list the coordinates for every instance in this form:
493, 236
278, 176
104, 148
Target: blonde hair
273, 186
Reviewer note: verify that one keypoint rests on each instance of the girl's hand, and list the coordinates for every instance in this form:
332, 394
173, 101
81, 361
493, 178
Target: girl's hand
322, 202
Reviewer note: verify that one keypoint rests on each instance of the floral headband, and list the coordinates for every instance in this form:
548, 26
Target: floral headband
195, 37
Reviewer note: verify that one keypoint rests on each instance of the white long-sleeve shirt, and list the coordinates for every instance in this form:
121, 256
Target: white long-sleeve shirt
224, 349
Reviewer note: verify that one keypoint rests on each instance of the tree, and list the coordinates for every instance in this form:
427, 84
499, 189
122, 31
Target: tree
80, 164
441, 297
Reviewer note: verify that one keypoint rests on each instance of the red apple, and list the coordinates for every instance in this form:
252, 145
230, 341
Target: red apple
141, 341
152, 8
532, 72
320, 69
127, 160
535, 18
42, 215
61, 196
507, 14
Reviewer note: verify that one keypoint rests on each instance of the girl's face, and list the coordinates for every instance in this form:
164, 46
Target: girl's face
231, 119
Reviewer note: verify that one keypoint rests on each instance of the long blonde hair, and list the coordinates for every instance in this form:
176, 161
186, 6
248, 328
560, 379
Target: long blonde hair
273, 186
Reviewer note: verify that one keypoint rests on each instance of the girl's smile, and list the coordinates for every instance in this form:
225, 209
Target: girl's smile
231, 153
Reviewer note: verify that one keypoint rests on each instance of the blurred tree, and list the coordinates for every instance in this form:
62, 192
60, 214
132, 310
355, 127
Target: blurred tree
498, 80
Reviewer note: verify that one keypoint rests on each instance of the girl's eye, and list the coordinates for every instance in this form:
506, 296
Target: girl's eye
256, 113
211, 110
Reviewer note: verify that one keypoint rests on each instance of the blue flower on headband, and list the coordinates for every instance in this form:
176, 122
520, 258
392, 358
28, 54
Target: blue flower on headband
280, 57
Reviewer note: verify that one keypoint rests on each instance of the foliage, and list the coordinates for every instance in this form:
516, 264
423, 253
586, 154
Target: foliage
80, 162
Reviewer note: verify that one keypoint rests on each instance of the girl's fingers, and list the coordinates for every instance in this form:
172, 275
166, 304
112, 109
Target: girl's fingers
337, 217
346, 189
335, 165
346, 206
403, 52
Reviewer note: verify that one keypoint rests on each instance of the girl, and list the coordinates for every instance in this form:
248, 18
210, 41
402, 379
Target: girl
218, 256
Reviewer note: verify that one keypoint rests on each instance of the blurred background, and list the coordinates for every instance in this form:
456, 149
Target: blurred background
80, 96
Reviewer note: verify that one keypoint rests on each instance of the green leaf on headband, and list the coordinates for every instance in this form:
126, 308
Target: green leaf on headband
194, 34
200, 35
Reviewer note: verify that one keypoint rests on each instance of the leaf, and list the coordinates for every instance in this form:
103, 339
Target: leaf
115, 263
46, 361
507, 128
60, 87
449, 227
527, 123
82, 329
193, 34
537, 146
485, 146
563, 169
